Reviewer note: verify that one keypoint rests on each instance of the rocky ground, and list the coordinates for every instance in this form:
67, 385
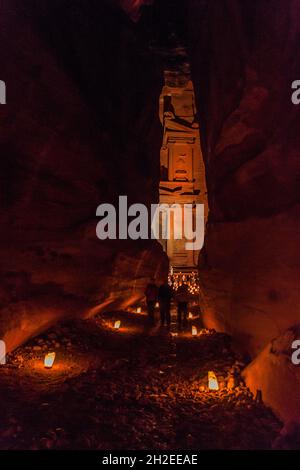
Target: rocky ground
133, 388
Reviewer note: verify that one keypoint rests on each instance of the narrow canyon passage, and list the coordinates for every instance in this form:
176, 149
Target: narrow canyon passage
155, 101
153, 383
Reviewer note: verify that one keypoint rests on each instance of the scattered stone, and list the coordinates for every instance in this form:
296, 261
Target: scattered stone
131, 393
52, 336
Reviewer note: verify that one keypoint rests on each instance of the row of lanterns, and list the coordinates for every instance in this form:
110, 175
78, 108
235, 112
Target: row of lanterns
176, 280
212, 379
213, 384
50, 357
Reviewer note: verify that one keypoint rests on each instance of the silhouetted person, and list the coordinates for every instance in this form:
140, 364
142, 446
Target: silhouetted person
151, 294
182, 298
165, 295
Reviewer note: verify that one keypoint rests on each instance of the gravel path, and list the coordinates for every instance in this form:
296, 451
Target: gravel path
135, 388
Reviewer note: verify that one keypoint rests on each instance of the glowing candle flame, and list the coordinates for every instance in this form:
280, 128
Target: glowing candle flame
49, 360
212, 381
117, 325
190, 317
194, 331
139, 310
157, 305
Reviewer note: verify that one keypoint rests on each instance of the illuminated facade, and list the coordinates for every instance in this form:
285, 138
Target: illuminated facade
182, 167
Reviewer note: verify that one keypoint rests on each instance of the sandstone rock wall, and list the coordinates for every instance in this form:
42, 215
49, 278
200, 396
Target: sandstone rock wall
80, 128
278, 378
245, 56
244, 61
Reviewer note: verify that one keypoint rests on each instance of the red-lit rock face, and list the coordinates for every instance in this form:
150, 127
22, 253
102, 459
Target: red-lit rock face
244, 64
277, 377
133, 7
243, 78
76, 132
82, 128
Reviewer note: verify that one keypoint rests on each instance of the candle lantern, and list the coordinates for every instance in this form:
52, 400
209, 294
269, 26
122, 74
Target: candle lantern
117, 325
212, 381
49, 360
194, 331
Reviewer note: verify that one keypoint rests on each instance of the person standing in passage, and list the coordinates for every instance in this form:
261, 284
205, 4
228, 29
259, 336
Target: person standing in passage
151, 294
165, 295
182, 299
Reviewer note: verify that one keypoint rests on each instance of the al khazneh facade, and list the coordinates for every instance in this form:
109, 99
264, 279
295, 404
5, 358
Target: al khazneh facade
182, 166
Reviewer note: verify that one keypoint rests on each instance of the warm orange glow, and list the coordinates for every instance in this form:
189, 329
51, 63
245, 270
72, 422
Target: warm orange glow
190, 317
178, 279
49, 360
212, 381
157, 304
194, 331
117, 325
139, 310
204, 331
